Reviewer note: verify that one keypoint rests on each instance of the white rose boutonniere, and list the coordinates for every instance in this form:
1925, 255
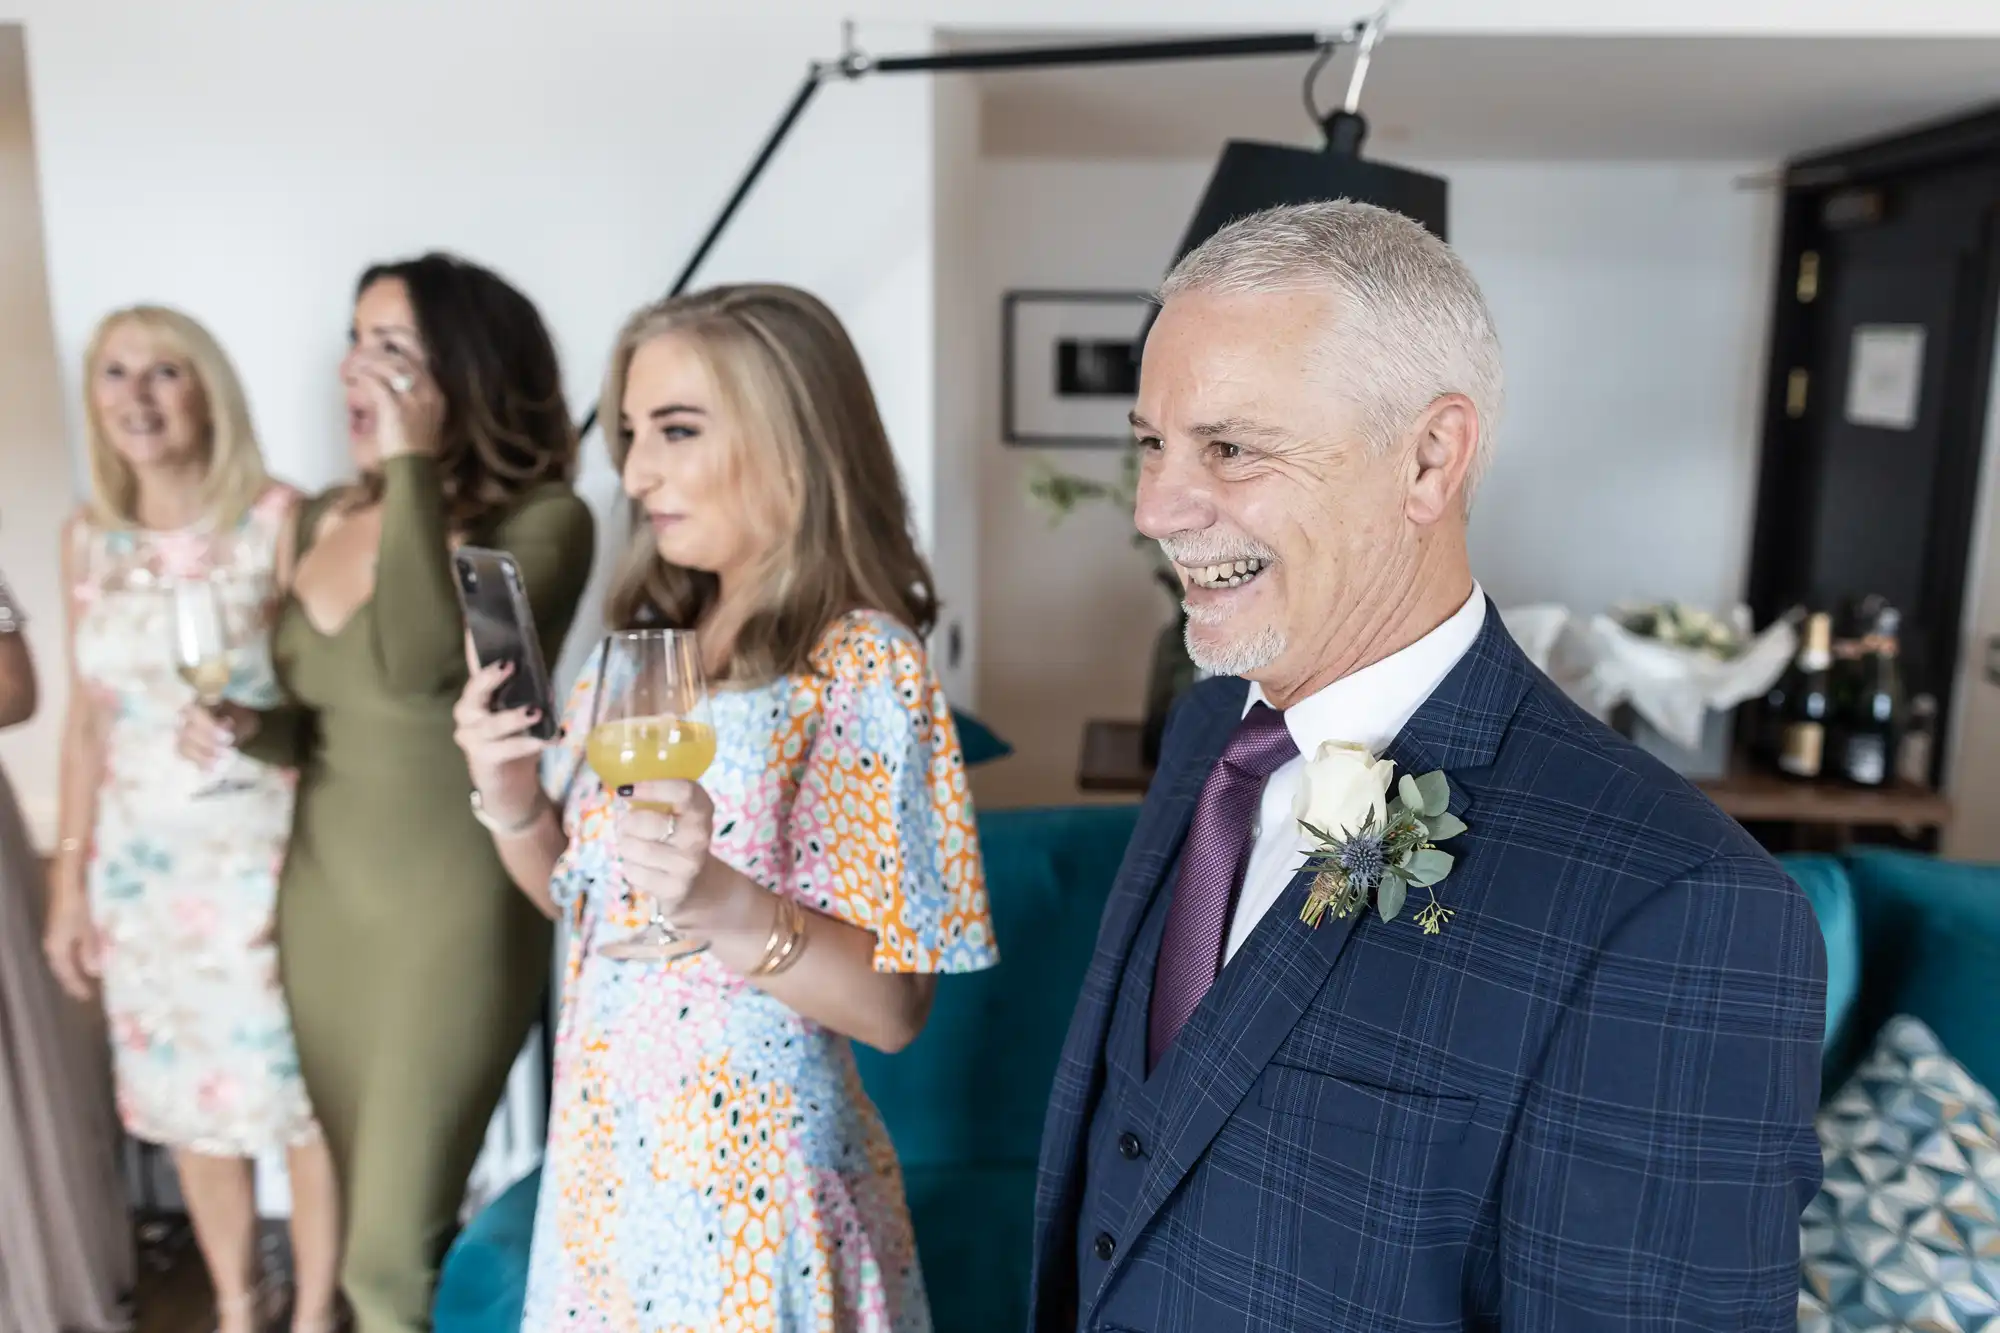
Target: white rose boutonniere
1344, 787
1371, 846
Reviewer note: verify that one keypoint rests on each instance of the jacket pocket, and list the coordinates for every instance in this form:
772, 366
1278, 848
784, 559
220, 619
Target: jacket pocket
1385, 1112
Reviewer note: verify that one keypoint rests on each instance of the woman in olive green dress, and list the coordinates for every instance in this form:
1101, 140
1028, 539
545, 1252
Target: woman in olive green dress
412, 966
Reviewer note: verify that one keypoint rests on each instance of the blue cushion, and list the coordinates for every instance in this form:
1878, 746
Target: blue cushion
1930, 932
1824, 880
483, 1282
978, 741
1902, 1235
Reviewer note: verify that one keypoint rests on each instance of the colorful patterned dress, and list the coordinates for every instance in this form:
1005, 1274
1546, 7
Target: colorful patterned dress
713, 1160
183, 887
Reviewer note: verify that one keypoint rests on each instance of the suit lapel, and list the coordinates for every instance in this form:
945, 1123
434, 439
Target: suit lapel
1283, 965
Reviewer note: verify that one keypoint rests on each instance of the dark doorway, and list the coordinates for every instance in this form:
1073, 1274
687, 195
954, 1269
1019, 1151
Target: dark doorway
1881, 354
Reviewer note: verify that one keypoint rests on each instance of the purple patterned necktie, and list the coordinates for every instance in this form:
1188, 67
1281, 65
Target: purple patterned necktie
1218, 845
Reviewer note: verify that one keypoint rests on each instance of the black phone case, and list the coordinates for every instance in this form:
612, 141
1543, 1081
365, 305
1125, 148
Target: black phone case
495, 604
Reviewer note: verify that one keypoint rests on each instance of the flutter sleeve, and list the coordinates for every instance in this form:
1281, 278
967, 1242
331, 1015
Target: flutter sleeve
880, 831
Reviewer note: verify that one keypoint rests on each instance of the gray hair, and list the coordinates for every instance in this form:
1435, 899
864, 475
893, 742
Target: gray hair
1414, 328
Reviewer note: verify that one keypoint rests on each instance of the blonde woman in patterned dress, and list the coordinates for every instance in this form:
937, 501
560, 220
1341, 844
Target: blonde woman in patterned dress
713, 1161
163, 896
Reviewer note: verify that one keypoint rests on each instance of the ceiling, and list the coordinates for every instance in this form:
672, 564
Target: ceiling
1456, 98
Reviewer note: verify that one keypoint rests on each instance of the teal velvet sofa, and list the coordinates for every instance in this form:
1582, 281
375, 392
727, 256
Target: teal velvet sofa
964, 1104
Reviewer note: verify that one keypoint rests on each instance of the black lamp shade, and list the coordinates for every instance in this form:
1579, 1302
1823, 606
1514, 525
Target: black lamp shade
1255, 176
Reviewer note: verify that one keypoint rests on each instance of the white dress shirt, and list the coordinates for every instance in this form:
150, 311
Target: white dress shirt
1367, 708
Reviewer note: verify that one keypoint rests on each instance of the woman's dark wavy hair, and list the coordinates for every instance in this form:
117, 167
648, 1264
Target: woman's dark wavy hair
507, 427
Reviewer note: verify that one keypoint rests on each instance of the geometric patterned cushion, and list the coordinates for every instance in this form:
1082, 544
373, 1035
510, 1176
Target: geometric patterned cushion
1905, 1233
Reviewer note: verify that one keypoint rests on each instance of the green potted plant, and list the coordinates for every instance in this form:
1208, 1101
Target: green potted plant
1060, 494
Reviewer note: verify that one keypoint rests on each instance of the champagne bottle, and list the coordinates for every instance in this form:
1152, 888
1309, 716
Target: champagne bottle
1870, 718
1913, 755
1766, 716
1808, 701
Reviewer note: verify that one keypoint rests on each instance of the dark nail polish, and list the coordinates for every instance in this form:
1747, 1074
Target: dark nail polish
625, 790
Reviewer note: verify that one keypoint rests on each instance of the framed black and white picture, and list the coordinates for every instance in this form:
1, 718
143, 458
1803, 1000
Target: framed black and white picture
1070, 366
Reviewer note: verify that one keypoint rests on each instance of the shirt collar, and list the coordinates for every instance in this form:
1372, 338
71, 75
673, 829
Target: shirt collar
1371, 706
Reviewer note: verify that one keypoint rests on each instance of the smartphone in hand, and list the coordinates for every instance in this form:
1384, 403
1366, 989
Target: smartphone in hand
495, 602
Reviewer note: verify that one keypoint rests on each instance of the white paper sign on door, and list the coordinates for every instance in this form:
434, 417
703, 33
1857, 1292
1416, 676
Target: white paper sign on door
1885, 376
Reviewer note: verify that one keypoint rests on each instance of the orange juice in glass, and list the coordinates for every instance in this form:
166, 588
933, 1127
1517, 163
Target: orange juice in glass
651, 724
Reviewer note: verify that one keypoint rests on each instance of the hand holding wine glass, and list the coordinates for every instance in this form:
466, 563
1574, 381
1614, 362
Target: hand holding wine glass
652, 724
663, 837
205, 654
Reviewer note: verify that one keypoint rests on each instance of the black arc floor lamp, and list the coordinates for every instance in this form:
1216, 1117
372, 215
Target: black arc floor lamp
1250, 176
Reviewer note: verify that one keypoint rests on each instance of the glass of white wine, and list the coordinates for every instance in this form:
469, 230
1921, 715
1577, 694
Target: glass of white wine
651, 723
205, 652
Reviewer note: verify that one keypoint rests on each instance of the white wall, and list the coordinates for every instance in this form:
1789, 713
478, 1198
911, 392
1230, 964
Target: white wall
958, 403
34, 467
1631, 301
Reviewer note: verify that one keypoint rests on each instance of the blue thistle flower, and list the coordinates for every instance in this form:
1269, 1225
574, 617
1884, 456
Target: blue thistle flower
1362, 860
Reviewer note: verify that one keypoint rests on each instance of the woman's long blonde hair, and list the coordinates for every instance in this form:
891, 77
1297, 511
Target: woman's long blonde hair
810, 428
235, 476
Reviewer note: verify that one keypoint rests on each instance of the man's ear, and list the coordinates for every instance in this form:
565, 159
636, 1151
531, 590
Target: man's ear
1447, 444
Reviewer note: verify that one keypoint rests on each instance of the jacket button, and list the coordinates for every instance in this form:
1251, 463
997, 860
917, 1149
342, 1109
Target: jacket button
1104, 1247
1129, 1146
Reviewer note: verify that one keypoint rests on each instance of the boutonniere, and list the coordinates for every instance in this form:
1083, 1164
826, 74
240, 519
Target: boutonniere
1373, 846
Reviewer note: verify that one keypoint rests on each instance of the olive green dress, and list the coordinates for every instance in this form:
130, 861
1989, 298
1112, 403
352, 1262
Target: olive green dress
412, 965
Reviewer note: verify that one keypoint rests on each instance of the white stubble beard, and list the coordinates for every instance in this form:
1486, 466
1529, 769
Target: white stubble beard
1238, 656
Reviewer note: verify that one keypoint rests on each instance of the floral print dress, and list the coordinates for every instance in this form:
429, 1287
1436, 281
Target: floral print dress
713, 1161
183, 887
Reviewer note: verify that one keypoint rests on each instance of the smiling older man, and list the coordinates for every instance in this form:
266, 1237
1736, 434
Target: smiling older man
1572, 1088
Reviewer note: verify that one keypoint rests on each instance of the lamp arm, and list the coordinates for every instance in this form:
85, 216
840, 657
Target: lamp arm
1368, 34
852, 65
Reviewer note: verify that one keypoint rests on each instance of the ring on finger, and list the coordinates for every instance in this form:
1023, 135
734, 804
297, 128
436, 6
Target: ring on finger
402, 383
673, 822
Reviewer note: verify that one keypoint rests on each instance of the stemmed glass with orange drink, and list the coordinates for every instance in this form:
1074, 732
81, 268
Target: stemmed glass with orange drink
651, 723
205, 645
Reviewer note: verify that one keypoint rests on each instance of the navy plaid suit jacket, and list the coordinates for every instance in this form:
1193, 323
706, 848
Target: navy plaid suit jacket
1586, 1105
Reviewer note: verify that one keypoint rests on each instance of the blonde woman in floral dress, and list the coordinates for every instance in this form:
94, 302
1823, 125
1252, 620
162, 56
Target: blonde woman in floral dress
163, 894
713, 1161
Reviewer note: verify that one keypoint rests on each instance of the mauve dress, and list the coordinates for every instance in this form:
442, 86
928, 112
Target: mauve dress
66, 1258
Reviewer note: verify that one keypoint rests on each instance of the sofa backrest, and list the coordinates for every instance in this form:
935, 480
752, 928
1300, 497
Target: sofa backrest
1827, 887
1929, 933
974, 1087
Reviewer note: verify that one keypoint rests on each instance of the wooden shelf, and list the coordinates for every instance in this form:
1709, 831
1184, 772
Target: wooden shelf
1113, 757
1112, 761
1753, 794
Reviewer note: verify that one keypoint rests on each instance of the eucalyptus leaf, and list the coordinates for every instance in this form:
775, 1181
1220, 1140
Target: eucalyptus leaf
1446, 825
1436, 793
1389, 897
1428, 866
1406, 792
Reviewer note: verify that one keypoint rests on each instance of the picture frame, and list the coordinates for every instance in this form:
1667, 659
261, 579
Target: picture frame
1069, 366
